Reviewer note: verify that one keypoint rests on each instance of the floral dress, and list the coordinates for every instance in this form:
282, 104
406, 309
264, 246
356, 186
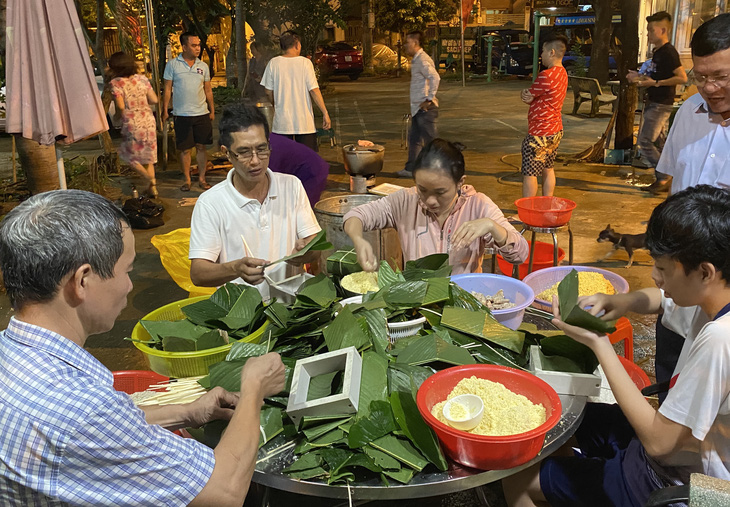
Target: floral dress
138, 122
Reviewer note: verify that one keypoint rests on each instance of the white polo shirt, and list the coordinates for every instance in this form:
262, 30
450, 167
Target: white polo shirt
188, 94
291, 79
222, 215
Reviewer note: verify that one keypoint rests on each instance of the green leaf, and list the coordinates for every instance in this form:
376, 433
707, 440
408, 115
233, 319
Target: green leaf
482, 324
377, 327
381, 459
404, 475
415, 428
216, 307
345, 331
319, 242
242, 314
320, 290
431, 262
406, 294
318, 431
402, 450
335, 457
307, 474
404, 377
343, 262
556, 347
227, 374
387, 277
305, 462
336, 436
463, 299
178, 344
379, 423
358, 460
210, 340
278, 314
320, 386
572, 314
432, 349
160, 329
373, 383
272, 423
241, 350
438, 291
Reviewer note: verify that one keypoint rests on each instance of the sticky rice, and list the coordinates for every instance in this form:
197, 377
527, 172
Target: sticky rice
589, 283
360, 282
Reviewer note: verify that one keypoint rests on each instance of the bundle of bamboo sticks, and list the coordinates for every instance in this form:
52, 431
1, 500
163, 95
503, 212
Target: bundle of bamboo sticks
171, 392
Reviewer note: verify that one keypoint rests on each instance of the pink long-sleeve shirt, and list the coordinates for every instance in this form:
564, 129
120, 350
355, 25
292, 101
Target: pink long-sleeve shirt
420, 233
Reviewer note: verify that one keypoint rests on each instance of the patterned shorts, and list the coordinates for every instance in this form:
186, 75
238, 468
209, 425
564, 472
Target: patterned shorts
538, 153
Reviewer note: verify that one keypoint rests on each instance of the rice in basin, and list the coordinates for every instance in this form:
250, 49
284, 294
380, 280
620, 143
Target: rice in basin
361, 282
505, 412
589, 283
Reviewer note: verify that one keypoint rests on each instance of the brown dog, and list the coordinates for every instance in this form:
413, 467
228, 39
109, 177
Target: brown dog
628, 242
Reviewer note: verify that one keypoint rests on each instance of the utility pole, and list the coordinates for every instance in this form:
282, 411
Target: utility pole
368, 24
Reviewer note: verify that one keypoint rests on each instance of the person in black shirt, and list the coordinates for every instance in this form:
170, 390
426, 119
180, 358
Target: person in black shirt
664, 75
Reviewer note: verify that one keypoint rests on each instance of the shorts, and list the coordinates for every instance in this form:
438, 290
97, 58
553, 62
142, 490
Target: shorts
192, 130
610, 469
538, 153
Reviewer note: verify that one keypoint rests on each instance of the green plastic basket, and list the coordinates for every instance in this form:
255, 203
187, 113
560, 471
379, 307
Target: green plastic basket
182, 364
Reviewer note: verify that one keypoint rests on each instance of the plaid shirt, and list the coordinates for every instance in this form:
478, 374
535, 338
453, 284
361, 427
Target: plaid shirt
68, 438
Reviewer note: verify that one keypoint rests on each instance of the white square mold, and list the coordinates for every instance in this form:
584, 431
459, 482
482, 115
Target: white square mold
347, 360
579, 384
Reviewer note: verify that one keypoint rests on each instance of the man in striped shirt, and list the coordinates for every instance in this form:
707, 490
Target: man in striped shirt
545, 123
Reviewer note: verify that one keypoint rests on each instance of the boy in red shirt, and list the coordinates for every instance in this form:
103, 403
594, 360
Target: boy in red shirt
545, 124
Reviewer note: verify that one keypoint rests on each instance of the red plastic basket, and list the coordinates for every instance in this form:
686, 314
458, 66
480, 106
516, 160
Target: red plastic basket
543, 211
488, 452
543, 259
135, 381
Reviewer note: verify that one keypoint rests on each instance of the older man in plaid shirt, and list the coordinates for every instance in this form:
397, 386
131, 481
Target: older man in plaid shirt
66, 436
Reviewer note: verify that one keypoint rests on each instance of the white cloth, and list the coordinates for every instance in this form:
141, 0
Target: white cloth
700, 400
425, 81
222, 215
188, 92
291, 79
697, 150
686, 321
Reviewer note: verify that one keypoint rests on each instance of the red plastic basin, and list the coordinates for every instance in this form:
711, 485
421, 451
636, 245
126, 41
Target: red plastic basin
135, 381
487, 452
542, 211
543, 258
639, 376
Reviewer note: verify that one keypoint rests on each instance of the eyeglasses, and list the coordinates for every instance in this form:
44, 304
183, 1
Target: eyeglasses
246, 155
719, 81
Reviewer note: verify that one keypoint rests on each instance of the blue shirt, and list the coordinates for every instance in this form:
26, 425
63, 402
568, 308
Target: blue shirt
188, 94
68, 438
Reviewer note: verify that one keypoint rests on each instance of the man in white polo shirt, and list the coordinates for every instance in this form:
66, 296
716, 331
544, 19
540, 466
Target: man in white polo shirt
252, 217
192, 106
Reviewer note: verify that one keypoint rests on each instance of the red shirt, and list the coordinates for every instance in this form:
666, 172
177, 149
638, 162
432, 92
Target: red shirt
549, 90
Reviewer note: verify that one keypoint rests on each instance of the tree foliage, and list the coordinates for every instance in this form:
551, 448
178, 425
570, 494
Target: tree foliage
401, 16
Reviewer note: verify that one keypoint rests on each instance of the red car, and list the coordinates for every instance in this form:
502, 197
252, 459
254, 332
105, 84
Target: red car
339, 58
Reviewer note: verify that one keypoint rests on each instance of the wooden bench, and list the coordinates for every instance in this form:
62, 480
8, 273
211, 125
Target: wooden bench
587, 89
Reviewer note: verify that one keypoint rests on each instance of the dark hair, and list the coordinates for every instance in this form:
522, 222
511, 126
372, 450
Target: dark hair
443, 155
122, 65
238, 117
185, 36
659, 16
289, 39
53, 234
560, 38
692, 227
712, 36
418, 35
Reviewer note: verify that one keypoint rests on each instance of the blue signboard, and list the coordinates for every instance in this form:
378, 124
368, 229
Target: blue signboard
582, 20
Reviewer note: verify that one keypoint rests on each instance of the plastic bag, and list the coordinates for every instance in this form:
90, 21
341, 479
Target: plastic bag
174, 248
143, 213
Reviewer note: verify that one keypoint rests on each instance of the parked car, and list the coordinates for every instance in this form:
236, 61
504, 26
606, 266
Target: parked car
339, 58
512, 52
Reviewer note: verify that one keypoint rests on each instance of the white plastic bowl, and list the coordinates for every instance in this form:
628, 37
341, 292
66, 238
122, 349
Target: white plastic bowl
474, 407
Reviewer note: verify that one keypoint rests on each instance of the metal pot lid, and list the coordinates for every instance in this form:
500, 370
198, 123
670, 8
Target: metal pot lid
377, 148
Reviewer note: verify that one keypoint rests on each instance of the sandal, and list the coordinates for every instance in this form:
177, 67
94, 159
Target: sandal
185, 187
204, 185
152, 190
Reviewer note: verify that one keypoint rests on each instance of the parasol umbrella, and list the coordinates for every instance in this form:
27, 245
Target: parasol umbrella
52, 93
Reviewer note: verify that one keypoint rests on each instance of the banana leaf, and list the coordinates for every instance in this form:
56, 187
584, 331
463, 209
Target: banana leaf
305, 462
320, 290
240, 350
321, 386
461, 298
415, 428
406, 294
377, 327
483, 325
277, 313
379, 422
346, 330
430, 262
334, 437
432, 316
317, 431
226, 374
310, 421
242, 313
178, 344
402, 450
403, 377
387, 277
215, 307
212, 339
432, 349
343, 262
335, 457
271, 422
358, 460
381, 459
319, 242
437, 292
404, 475
311, 473
562, 353
373, 382
160, 329
571, 313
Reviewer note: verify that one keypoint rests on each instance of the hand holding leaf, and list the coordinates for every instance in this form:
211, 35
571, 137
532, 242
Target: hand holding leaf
581, 335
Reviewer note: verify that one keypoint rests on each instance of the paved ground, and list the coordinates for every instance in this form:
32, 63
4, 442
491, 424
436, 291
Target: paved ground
491, 121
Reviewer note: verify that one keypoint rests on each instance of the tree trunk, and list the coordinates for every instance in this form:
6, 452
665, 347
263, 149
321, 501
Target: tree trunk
241, 47
598, 67
367, 36
627, 59
99, 44
39, 164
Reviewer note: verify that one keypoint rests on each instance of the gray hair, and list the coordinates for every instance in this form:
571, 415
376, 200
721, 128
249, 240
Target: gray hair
53, 234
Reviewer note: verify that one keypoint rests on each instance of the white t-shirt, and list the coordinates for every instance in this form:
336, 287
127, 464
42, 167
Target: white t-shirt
686, 321
222, 215
700, 400
291, 79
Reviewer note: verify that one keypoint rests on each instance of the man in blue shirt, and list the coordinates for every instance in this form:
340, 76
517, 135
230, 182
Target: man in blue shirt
66, 436
192, 106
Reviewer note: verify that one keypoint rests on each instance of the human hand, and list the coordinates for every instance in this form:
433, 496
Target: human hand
268, 371
424, 105
298, 245
588, 338
470, 231
213, 405
526, 96
365, 255
165, 114
615, 305
212, 116
326, 122
632, 76
250, 269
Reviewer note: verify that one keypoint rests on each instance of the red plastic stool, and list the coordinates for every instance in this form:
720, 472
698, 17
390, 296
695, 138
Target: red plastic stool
624, 331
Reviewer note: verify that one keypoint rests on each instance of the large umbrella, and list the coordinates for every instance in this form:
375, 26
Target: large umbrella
52, 93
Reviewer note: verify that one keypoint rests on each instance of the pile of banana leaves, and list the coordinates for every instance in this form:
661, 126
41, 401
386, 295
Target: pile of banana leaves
387, 437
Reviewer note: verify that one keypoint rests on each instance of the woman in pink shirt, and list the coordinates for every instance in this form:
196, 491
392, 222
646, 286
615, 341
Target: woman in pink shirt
439, 215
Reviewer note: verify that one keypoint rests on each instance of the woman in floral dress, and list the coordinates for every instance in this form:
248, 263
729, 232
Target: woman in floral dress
133, 96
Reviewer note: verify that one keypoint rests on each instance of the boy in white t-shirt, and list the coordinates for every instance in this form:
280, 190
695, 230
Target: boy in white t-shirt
628, 450
291, 86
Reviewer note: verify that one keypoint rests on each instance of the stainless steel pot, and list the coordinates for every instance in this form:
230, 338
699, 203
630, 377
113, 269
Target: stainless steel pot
330, 212
268, 111
361, 161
